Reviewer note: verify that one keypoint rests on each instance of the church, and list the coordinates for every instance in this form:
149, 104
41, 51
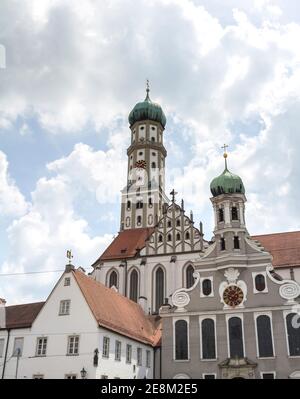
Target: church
219, 309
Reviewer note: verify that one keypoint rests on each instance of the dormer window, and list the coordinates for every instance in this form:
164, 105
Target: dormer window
222, 244
221, 215
234, 213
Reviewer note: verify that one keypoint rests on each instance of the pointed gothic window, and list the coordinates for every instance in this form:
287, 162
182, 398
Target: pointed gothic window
178, 222
208, 339
159, 288
293, 332
235, 337
236, 243
264, 336
187, 235
169, 223
134, 279
169, 237
221, 215
189, 276
181, 340
222, 244
113, 279
260, 282
234, 213
178, 237
160, 238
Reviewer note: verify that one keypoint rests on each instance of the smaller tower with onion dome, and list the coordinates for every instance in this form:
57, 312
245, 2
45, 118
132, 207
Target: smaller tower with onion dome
229, 210
144, 198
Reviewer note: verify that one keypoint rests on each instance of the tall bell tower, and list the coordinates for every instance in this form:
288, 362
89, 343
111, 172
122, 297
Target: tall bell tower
144, 198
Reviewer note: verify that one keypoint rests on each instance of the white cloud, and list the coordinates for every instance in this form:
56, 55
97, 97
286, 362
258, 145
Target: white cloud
12, 202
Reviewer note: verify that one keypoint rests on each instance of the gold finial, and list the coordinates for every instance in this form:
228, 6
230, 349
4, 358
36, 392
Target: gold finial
69, 255
225, 155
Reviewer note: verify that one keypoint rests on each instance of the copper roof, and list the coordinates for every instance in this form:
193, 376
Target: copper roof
22, 316
284, 247
126, 244
118, 313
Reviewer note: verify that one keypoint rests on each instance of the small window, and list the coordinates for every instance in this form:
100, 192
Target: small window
38, 376
70, 376
169, 223
260, 282
221, 215
189, 276
153, 154
41, 346
187, 235
64, 307
150, 202
139, 356
178, 237
18, 347
148, 359
236, 243
152, 127
128, 205
104, 377
268, 376
140, 154
118, 351
139, 205
67, 281
206, 287
209, 376
234, 213
160, 238
153, 165
139, 220
1, 346
128, 353
73, 345
169, 237
113, 279
105, 349
178, 222
152, 139
222, 244
142, 128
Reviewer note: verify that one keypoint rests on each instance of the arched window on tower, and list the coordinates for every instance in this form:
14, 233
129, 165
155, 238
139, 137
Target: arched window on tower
189, 276
139, 220
178, 222
159, 288
134, 281
234, 213
153, 165
128, 205
187, 235
222, 244
181, 340
160, 238
113, 279
139, 204
236, 242
169, 237
178, 237
221, 215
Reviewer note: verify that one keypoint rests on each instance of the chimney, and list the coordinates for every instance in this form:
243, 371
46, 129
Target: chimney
2, 302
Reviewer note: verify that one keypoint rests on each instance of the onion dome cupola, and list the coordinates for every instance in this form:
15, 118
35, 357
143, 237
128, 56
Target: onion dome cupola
147, 110
227, 183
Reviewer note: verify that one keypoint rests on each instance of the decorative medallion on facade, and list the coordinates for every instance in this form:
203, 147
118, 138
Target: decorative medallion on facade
181, 298
233, 293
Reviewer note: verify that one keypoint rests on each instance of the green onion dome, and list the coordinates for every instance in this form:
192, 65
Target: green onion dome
147, 110
227, 183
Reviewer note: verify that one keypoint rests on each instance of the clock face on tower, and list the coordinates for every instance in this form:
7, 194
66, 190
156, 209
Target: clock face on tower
233, 295
141, 164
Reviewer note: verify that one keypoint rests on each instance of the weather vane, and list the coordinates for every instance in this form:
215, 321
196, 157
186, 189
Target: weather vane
69, 255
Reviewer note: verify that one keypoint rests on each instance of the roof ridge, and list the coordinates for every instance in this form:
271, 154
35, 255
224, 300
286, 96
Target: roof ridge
273, 234
25, 304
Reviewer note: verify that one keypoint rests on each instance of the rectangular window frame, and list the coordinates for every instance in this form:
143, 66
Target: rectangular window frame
14, 354
67, 281
212, 294
41, 348
206, 374
73, 342
187, 319
128, 353
118, 350
105, 347
214, 318
148, 358
139, 356
64, 307
2, 345
267, 372
255, 316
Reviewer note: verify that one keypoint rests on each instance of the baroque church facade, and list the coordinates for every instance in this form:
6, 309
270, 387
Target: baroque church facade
230, 306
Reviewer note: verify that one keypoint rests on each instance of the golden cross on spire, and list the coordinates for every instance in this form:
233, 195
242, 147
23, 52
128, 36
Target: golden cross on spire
69, 255
224, 147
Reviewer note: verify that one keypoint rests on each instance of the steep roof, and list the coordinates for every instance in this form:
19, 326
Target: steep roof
126, 244
22, 316
284, 247
118, 313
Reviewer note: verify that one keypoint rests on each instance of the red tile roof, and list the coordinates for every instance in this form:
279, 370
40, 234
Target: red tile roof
118, 313
126, 244
284, 247
22, 316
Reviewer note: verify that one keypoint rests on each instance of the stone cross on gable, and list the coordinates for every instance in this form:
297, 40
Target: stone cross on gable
173, 193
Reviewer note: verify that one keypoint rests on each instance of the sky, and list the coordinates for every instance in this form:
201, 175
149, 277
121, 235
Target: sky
71, 71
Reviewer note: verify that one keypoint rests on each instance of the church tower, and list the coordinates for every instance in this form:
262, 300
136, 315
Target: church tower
229, 211
144, 198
